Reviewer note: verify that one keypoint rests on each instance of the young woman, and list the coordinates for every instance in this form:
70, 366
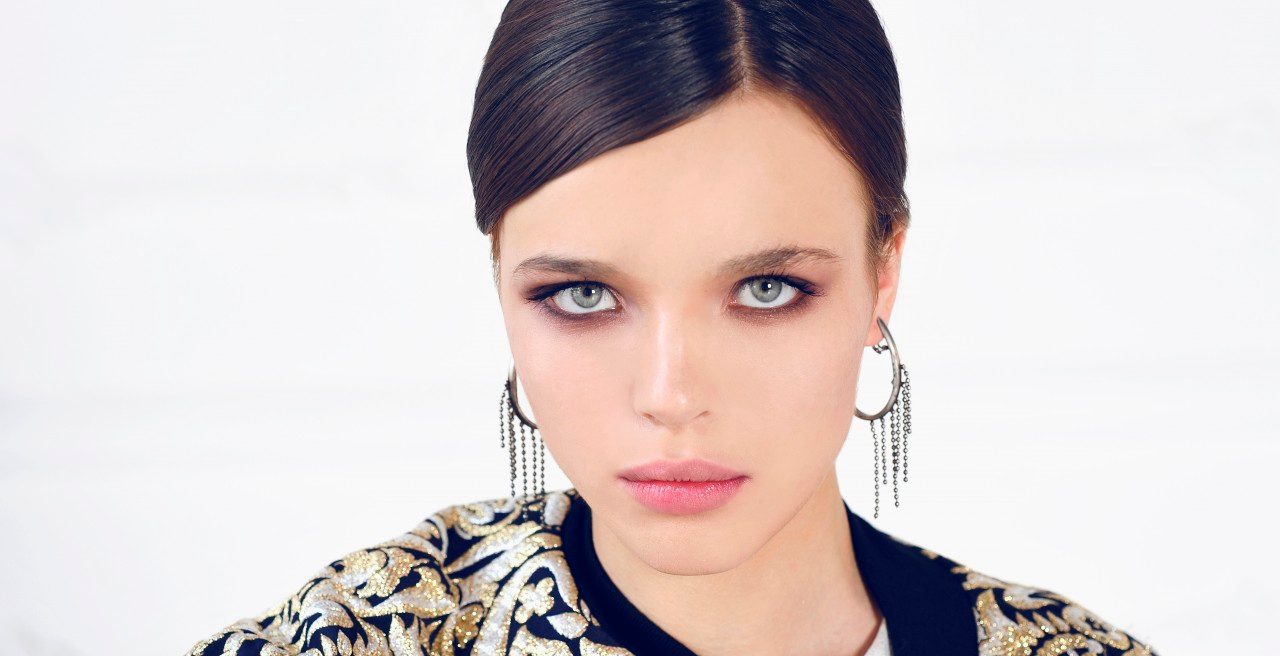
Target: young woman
697, 219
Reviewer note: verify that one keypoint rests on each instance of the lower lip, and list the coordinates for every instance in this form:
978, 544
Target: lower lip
684, 497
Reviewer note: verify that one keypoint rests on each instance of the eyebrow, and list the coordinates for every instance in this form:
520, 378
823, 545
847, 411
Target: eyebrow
770, 258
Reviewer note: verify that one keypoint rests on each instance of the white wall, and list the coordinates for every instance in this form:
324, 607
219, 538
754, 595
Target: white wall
246, 323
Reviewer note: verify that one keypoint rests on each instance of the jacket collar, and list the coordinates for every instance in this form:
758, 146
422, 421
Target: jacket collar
926, 611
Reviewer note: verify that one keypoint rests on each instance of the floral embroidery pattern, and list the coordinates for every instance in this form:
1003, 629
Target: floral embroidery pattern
473, 579
1016, 620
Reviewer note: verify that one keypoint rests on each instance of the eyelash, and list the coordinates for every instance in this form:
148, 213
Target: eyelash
540, 297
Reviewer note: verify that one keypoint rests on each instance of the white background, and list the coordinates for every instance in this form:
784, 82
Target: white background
247, 325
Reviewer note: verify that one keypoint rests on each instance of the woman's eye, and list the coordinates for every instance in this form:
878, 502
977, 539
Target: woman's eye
584, 299
766, 293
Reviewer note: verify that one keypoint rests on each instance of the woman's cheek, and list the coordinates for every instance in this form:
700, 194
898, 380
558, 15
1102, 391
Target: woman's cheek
574, 383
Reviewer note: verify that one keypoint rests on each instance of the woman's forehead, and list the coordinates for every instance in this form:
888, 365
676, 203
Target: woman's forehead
751, 172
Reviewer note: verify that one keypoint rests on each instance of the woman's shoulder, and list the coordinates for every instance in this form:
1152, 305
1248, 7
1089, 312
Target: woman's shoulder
403, 594
490, 576
1013, 618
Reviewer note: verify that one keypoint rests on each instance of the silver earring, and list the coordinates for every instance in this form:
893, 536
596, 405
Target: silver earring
898, 407
512, 419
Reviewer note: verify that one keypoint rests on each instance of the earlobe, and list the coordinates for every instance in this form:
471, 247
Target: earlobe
885, 296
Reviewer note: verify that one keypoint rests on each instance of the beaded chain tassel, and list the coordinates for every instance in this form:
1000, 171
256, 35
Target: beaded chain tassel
889, 452
531, 446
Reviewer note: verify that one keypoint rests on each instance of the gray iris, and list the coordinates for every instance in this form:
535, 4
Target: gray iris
586, 296
771, 288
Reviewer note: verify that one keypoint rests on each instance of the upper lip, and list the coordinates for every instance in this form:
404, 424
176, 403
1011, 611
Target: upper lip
692, 469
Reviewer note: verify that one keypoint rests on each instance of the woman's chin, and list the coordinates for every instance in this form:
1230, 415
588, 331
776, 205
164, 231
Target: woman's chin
682, 561
687, 545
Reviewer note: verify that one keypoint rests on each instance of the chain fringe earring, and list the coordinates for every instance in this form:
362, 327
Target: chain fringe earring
512, 419
891, 448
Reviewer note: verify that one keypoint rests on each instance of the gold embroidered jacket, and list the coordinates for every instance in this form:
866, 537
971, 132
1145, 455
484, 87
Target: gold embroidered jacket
500, 577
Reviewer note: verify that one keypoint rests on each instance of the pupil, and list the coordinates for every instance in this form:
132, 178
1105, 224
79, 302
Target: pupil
589, 296
768, 289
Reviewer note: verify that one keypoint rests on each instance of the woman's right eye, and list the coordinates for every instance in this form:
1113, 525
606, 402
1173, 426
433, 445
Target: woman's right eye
586, 298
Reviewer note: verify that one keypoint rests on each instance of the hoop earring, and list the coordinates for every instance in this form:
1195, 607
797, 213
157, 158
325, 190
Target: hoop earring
512, 418
898, 407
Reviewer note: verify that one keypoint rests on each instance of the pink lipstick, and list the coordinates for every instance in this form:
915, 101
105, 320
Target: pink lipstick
682, 487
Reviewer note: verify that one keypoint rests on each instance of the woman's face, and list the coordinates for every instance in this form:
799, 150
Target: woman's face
674, 342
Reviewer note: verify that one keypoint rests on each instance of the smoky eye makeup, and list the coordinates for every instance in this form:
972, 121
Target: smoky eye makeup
804, 293
543, 297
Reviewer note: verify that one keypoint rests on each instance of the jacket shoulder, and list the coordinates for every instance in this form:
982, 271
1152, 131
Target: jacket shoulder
1020, 619
374, 600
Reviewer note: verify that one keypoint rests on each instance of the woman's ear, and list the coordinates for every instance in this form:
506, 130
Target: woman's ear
887, 286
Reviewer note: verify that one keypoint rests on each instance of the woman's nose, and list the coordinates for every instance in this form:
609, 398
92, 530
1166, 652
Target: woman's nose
668, 382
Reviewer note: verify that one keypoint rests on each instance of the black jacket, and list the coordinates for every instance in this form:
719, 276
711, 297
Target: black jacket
480, 578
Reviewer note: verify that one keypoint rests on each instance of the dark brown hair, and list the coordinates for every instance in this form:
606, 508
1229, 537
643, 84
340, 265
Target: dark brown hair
564, 81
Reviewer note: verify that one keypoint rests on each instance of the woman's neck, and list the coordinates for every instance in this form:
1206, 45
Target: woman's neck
801, 593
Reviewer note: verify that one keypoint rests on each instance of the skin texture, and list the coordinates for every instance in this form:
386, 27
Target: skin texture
678, 359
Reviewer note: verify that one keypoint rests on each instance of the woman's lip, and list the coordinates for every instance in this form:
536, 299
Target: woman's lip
683, 497
688, 469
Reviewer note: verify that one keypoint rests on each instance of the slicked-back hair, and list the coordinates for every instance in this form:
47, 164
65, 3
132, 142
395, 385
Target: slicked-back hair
564, 81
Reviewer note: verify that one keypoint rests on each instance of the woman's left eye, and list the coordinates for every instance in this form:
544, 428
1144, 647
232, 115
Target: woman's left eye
766, 293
